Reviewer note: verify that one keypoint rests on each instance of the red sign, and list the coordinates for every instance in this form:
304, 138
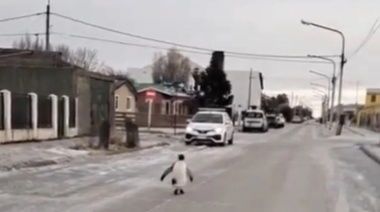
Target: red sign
150, 94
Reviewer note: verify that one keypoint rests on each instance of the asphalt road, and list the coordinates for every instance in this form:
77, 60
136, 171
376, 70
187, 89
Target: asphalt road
285, 170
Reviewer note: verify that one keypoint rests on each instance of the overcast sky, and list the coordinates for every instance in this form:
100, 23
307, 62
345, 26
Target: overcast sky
262, 27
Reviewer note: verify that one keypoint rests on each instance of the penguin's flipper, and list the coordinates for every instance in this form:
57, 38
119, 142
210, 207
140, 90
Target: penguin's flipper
166, 172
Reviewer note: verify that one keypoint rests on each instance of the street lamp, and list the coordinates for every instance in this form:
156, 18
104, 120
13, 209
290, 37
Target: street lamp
342, 62
323, 97
328, 91
333, 82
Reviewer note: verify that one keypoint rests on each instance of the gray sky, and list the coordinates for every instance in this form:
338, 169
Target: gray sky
265, 27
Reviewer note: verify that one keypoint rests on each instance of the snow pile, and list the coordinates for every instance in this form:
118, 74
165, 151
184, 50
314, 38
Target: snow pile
67, 152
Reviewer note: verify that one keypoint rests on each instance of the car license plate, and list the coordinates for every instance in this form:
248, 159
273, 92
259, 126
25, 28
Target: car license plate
202, 136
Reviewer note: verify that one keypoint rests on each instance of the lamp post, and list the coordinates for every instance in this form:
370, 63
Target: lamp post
333, 83
328, 91
323, 97
342, 62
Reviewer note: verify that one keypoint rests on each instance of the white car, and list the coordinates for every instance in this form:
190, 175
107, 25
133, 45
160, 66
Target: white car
280, 120
210, 127
255, 119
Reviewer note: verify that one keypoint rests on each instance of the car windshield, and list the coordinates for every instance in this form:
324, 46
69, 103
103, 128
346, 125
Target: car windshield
254, 115
208, 118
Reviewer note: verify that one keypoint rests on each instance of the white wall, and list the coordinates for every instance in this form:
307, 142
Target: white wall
35, 133
240, 88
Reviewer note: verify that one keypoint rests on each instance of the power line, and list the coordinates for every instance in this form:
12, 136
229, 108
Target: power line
176, 44
183, 50
370, 34
21, 17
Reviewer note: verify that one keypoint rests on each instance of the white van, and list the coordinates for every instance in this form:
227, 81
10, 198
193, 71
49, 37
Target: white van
254, 120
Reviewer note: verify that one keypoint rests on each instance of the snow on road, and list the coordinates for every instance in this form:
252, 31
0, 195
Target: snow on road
64, 185
359, 176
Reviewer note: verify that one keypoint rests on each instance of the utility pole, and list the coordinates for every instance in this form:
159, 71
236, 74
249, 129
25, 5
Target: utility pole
249, 89
47, 45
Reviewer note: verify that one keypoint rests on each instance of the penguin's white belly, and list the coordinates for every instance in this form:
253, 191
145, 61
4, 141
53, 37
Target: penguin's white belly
180, 174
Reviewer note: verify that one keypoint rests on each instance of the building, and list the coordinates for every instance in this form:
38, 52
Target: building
369, 114
240, 82
169, 107
89, 95
144, 75
125, 101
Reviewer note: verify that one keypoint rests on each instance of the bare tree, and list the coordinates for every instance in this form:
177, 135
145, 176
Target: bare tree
118, 75
172, 68
83, 57
27, 43
65, 51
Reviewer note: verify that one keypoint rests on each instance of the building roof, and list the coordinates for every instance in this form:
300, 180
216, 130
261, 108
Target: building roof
128, 83
373, 90
141, 87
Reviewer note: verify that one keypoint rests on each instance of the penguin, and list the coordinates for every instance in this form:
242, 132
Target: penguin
181, 173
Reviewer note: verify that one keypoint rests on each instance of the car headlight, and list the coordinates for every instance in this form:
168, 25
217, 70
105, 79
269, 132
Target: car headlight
218, 130
189, 129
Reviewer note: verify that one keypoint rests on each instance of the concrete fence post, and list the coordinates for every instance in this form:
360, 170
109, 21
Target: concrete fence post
54, 113
7, 114
66, 114
34, 116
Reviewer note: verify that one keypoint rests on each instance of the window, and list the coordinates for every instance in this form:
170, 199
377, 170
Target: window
116, 102
167, 107
254, 115
208, 118
129, 103
373, 98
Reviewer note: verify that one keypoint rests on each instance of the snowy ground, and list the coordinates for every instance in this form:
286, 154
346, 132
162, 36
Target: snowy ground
24, 155
295, 169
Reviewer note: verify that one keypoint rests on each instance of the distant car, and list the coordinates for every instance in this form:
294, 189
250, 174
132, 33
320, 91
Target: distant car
271, 118
276, 120
280, 119
297, 119
210, 127
254, 120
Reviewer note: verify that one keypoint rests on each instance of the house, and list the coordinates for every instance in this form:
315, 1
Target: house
125, 101
144, 75
77, 100
170, 106
369, 114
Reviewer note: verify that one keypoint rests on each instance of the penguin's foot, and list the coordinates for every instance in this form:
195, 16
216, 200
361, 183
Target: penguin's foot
181, 191
176, 191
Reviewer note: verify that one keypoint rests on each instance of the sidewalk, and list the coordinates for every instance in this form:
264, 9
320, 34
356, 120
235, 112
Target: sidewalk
27, 155
350, 133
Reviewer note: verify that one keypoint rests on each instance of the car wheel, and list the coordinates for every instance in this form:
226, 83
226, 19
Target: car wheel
225, 140
263, 129
244, 129
231, 141
187, 143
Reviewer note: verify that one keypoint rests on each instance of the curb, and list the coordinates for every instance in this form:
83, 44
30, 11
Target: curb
354, 131
370, 154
